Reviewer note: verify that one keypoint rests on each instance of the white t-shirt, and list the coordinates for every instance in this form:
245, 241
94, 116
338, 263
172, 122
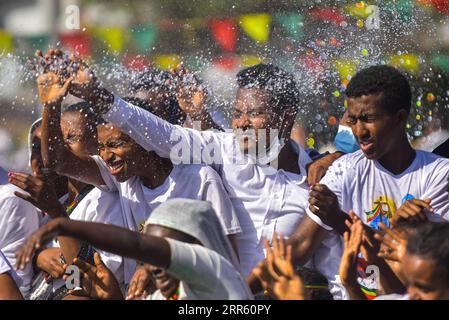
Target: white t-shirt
103, 207
18, 220
204, 274
265, 199
196, 182
5, 267
375, 194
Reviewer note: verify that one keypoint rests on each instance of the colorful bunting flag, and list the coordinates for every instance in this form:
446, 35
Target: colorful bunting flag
113, 37
78, 43
257, 26
167, 62
250, 60
293, 24
225, 33
406, 61
144, 38
6, 42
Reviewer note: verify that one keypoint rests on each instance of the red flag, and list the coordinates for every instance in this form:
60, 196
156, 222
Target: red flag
228, 63
225, 33
135, 62
328, 14
441, 5
76, 42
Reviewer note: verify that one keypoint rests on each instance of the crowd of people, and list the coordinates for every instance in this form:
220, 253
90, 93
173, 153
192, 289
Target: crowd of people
149, 198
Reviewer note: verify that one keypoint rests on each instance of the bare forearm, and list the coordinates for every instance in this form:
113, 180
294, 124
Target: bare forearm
148, 249
306, 240
52, 140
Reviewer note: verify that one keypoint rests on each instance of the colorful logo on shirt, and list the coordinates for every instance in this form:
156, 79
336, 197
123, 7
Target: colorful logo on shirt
383, 209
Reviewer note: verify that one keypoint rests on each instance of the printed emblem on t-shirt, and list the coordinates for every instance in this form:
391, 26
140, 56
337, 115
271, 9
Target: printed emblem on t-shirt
383, 209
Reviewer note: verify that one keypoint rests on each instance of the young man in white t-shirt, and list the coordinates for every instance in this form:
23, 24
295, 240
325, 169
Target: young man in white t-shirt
387, 178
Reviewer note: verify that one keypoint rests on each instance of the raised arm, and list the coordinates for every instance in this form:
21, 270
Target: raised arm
120, 241
54, 153
148, 130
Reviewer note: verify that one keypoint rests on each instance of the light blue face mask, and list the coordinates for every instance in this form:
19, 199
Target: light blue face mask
345, 141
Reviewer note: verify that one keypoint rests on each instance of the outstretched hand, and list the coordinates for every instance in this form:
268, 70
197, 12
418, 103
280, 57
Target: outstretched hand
37, 240
97, 281
352, 244
41, 193
395, 244
277, 274
190, 92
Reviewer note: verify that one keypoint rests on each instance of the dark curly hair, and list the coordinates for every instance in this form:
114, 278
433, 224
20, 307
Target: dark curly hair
280, 84
390, 83
155, 79
432, 242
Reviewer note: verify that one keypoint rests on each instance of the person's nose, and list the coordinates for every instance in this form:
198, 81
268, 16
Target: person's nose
360, 130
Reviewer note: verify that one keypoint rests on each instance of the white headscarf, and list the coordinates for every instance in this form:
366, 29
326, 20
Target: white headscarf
197, 219
33, 127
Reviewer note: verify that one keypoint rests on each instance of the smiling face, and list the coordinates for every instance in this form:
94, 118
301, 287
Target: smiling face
253, 111
376, 131
424, 279
162, 280
123, 156
80, 136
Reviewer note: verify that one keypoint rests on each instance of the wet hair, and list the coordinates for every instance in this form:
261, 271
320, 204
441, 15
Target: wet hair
432, 242
146, 106
388, 82
278, 83
85, 110
155, 79
315, 283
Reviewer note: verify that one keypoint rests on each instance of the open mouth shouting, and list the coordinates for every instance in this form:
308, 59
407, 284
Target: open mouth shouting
116, 166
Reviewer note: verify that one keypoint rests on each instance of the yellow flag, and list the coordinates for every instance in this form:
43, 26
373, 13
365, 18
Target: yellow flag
113, 37
250, 60
257, 26
6, 42
167, 62
346, 68
407, 62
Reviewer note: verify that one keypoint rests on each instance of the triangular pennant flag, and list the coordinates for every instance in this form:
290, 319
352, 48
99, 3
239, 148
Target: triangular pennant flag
112, 37
250, 60
407, 62
257, 26
6, 42
442, 62
293, 24
78, 43
34, 43
167, 62
225, 33
144, 38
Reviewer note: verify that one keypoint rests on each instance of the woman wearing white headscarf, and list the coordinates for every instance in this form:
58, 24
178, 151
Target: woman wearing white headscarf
183, 237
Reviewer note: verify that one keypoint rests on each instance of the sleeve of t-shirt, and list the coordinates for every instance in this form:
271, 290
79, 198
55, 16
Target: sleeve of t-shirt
333, 179
5, 267
438, 191
180, 145
215, 193
194, 264
111, 184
